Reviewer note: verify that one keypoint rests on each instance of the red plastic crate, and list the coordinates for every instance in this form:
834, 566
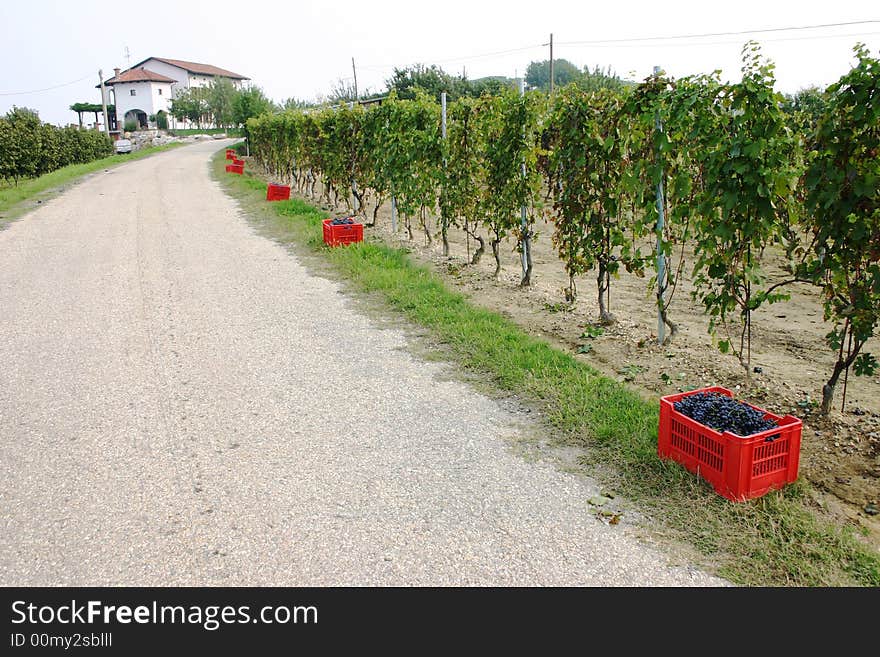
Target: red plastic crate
738, 468
230, 154
235, 168
237, 161
334, 235
277, 192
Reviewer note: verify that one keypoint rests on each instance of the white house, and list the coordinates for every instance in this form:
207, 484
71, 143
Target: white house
146, 89
140, 94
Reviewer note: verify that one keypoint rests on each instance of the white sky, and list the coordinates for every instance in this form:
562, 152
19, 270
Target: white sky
302, 47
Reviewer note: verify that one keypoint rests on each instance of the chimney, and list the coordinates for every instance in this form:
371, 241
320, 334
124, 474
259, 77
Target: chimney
116, 72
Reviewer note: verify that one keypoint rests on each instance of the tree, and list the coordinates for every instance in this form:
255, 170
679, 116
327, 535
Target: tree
249, 103
600, 79
564, 72
492, 86
341, 92
221, 94
804, 109
432, 80
296, 104
190, 105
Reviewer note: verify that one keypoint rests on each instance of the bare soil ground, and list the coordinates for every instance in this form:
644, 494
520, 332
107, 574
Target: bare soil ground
840, 454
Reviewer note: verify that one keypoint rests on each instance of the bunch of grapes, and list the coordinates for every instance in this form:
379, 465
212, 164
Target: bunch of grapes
342, 221
723, 413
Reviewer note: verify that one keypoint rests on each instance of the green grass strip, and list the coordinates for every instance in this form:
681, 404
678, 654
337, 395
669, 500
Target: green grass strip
775, 540
13, 198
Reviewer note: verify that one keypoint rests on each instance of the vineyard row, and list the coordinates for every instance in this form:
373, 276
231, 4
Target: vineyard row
720, 167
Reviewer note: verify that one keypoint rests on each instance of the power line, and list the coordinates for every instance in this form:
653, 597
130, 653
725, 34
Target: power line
631, 40
461, 59
717, 34
36, 91
725, 43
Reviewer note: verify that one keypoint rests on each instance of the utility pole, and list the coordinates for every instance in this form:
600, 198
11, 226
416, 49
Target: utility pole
104, 102
354, 71
551, 64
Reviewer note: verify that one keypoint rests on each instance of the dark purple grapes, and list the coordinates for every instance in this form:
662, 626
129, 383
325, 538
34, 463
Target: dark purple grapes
723, 413
342, 221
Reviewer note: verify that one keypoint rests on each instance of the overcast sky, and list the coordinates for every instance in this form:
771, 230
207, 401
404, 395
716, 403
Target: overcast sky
300, 48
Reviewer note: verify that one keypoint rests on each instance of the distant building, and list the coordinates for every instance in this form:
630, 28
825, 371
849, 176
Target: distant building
146, 89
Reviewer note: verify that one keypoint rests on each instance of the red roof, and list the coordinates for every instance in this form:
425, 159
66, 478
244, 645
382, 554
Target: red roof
138, 75
199, 69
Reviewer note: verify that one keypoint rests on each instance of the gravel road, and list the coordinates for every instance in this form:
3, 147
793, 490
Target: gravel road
183, 404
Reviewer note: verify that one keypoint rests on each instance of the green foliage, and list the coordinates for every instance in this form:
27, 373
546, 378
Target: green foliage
20, 154
591, 229
220, 103
341, 141
89, 107
491, 86
804, 109
413, 153
431, 80
221, 95
601, 79
843, 218
463, 171
296, 104
728, 157
190, 105
29, 148
343, 91
661, 116
751, 167
538, 74
94, 108
374, 168
565, 73
247, 104
510, 126
49, 154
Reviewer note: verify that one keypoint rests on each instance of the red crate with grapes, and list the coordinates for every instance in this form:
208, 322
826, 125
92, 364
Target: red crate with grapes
342, 230
742, 450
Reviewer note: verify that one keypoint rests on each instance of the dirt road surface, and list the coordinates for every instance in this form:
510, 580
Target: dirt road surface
183, 403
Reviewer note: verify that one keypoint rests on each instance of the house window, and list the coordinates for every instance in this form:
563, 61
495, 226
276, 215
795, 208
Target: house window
133, 92
160, 92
